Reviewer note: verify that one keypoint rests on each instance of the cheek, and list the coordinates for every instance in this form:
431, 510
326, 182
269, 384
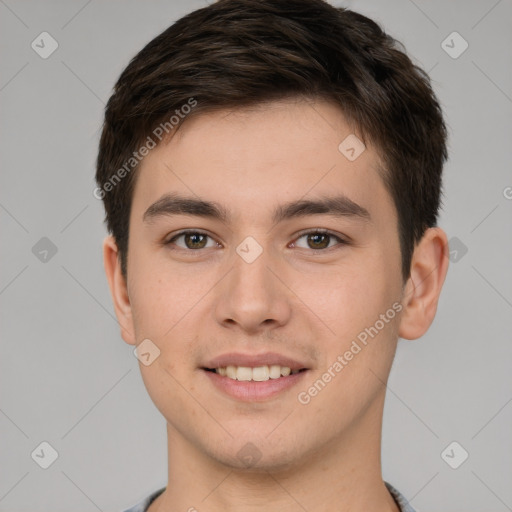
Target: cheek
162, 296
348, 298
347, 303
153, 313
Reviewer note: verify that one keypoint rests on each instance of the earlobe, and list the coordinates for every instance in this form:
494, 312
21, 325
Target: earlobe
118, 289
429, 266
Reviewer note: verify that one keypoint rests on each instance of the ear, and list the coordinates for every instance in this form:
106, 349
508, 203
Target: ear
429, 265
118, 289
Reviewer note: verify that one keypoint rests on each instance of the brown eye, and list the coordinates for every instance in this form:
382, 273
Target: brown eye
318, 240
192, 240
195, 240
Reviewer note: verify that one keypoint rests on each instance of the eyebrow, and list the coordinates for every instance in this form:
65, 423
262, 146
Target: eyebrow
175, 204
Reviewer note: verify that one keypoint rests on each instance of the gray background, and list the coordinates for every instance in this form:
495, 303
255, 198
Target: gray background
66, 376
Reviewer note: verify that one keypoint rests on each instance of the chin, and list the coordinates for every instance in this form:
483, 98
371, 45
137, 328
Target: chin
256, 456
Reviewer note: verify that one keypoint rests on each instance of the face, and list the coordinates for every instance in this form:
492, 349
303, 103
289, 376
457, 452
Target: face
294, 264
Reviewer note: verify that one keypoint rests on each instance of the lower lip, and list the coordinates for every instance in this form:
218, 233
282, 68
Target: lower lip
252, 391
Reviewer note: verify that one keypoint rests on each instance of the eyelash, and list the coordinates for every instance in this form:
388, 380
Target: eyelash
341, 241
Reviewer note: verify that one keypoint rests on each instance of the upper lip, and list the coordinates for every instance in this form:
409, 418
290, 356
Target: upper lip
254, 360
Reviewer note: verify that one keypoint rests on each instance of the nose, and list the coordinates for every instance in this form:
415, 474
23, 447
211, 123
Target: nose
252, 297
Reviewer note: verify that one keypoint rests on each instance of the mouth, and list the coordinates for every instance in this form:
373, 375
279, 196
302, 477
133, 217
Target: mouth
253, 378
255, 374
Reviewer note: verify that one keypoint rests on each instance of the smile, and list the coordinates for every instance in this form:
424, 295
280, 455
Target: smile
254, 384
256, 374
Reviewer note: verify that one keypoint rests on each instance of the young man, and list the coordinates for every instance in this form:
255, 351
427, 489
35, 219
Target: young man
271, 174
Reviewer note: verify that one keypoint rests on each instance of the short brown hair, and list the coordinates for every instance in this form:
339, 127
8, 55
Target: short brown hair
237, 53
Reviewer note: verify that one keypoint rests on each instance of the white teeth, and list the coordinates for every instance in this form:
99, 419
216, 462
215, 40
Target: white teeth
258, 373
275, 371
243, 373
285, 371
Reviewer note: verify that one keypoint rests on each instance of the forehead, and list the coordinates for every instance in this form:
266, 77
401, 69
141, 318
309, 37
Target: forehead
276, 152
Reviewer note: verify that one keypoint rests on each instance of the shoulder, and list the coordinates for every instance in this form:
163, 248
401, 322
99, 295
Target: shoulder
400, 499
143, 505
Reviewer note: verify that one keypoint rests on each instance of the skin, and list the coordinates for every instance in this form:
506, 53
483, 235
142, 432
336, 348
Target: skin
304, 302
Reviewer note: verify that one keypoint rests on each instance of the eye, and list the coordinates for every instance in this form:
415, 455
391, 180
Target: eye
316, 240
319, 239
192, 240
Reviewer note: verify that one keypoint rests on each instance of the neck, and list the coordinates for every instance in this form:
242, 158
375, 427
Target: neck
343, 474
